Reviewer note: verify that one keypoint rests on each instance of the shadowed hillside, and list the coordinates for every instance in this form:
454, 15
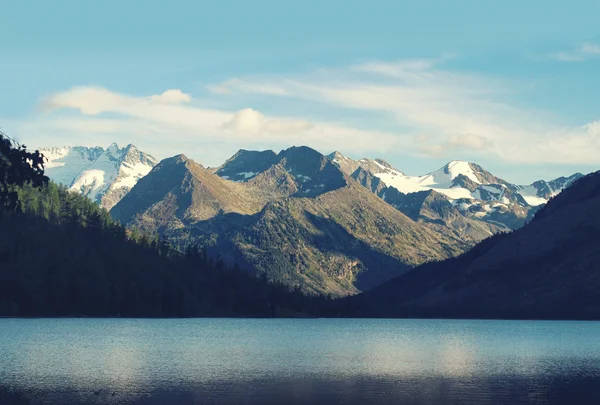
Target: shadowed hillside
548, 269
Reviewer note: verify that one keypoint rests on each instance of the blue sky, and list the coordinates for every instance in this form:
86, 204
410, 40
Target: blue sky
510, 85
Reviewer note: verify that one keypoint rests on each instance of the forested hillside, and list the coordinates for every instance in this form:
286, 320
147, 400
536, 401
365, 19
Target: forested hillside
62, 255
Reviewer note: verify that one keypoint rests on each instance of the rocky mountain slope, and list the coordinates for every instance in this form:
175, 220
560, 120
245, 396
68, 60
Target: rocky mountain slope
297, 219
429, 207
103, 175
478, 195
550, 268
461, 197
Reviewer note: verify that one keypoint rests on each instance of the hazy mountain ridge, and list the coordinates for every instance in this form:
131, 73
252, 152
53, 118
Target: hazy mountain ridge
103, 175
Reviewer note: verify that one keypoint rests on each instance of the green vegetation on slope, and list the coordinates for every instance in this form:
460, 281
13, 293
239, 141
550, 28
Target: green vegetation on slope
301, 222
62, 255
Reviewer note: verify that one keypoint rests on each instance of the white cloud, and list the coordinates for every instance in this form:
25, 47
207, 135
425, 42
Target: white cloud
469, 141
590, 49
247, 121
173, 96
567, 57
287, 126
165, 108
251, 122
239, 86
459, 112
402, 68
580, 54
396, 69
410, 107
172, 122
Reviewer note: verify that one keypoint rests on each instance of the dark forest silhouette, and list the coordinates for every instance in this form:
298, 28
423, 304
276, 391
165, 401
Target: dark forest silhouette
62, 255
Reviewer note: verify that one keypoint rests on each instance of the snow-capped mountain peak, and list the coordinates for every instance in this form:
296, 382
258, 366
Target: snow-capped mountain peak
103, 175
456, 168
469, 187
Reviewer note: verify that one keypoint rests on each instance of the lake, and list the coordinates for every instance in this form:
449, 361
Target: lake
298, 361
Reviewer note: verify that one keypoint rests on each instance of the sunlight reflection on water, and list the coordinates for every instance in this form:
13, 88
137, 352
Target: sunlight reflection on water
56, 361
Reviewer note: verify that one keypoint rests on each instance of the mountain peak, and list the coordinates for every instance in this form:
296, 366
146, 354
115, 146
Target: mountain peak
180, 158
299, 150
302, 156
246, 164
457, 166
131, 147
470, 170
113, 147
455, 162
246, 152
384, 163
175, 160
345, 164
336, 155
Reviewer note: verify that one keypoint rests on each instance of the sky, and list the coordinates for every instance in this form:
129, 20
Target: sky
512, 85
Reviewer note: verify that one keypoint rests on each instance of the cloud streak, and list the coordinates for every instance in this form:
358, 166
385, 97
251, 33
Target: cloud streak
90, 114
457, 113
411, 107
580, 54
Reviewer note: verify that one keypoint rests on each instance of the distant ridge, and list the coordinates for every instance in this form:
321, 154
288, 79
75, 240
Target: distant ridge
475, 192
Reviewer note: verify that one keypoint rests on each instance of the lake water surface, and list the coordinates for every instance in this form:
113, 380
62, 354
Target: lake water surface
298, 361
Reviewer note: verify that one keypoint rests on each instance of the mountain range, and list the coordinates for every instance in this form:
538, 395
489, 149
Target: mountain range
474, 192
546, 269
300, 221
325, 224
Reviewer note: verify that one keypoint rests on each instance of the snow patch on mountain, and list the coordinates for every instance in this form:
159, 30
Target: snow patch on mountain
245, 175
65, 163
91, 183
440, 180
456, 168
494, 189
131, 174
530, 194
475, 192
443, 181
103, 175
